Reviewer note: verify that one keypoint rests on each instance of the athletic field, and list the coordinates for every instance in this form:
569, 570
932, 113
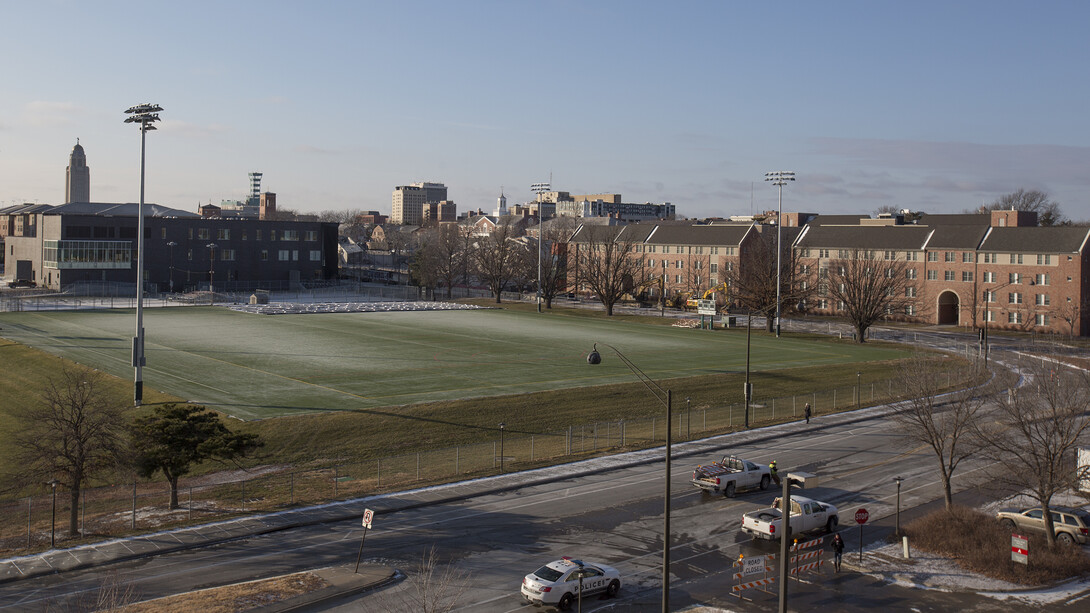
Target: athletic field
258, 366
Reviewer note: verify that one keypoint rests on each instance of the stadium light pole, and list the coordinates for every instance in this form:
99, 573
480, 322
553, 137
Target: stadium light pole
211, 272
146, 115
779, 178
665, 397
539, 188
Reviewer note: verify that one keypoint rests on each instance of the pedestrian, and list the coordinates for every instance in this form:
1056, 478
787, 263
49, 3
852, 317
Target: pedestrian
773, 473
807, 411
838, 551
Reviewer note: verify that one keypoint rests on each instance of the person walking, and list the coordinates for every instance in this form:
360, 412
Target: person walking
807, 411
773, 473
838, 551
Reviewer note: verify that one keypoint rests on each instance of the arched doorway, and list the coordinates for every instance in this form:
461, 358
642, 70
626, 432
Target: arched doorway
949, 307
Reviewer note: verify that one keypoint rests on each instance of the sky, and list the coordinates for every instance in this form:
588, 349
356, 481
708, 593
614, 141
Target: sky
933, 106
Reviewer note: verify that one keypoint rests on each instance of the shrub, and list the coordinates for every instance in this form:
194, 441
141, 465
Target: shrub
979, 544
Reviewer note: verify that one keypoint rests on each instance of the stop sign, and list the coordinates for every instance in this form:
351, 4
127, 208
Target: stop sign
861, 516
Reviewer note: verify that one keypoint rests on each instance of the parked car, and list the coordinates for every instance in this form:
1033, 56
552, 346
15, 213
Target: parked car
22, 283
557, 583
1070, 525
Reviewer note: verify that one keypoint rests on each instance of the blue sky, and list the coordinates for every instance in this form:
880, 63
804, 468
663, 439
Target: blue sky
934, 106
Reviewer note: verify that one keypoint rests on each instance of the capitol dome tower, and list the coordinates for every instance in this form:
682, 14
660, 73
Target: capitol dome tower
77, 187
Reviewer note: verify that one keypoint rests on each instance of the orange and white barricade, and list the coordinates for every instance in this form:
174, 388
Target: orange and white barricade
802, 560
753, 573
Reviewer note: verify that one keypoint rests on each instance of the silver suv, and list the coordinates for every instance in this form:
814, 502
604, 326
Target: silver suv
1071, 525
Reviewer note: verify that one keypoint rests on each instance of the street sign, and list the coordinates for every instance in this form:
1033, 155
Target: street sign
368, 515
1019, 549
705, 307
861, 516
753, 566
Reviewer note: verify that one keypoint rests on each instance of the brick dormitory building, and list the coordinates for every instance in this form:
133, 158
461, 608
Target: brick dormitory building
998, 267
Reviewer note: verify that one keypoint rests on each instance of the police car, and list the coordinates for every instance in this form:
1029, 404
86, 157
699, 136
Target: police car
557, 583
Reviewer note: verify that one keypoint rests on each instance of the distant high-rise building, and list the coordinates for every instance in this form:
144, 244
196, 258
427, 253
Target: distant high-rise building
255, 189
77, 186
407, 203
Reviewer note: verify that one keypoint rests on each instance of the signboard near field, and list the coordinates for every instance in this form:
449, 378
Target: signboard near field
705, 307
1019, 549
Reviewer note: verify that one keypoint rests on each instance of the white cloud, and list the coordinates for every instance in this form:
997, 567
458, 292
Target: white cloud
43, 113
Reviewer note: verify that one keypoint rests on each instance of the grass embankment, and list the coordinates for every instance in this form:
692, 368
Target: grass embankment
979, 544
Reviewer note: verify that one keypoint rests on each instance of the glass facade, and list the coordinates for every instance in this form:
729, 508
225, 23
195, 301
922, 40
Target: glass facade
88, 254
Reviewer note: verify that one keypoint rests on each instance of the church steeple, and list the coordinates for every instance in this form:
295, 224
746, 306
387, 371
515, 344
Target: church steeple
77, 187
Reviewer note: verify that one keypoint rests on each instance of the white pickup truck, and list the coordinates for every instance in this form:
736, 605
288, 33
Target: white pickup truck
730, 475
806, 515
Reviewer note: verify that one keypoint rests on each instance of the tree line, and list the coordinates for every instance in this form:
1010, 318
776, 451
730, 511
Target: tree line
76, 433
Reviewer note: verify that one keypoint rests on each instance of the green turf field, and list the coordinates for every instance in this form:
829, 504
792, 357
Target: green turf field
257, 366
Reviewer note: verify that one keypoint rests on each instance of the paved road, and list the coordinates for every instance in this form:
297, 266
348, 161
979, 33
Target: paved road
614, 516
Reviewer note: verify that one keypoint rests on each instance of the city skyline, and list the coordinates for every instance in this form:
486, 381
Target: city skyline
930, 106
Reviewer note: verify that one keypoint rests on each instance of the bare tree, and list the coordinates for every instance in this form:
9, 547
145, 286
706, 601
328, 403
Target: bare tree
554, 260
1048, 210
497, 255
753, 280
430, 587
869, 288
886, 209
1071, 314
942, 423
1036, 431
425, 261
449, 255
607, 263
73, 433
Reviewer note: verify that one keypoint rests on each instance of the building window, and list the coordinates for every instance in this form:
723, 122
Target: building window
932, 275
191, 234
257, 234
315, 255
1014, 317
1016, 258
223, 234
189, 255
294, 255
679, 264
284, 255
666, 248
1044, 260
203, 234
699, 250
823, 303
272, 235
950, 256
967, 257
910, 273
948, 275
966, 275
264, 255
1014, 278
1014, 298
289, 235
1041, 279
245, 234
891, 255
823, 253
910, 292
912, 256
932, 256
840, 305
227, 255
1043, 300
989, 296
163, 232
989, 258
910, 309
677, 279
989, 277
1042, 319
714, 268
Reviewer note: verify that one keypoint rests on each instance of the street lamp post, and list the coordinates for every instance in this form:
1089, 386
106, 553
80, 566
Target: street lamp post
748, 391
502, 426
539, 188
53, 520
897, 529
666, 398
146, 115
688, 419
779, 178
858, 394
211, 273
172, 245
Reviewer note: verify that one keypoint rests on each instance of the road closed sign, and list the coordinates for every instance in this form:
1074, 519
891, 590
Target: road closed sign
861, 516
753, 566
1019, 549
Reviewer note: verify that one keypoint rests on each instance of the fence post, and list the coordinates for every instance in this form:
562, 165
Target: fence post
417, 465
705, 415
531, 447
793, 403
730, 415
243, 494
134, 505
28, 501
457, 457
569, 440
336, 477
814, 405
494, 445
378, 473
622, 433
834, 398
292, 500
773, 408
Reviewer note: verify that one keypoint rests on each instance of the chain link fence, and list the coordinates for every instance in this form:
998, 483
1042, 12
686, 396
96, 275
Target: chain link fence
26, 523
